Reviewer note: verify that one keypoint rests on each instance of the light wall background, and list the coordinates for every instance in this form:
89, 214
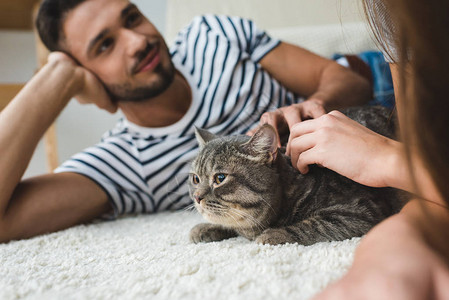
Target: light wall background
80, 126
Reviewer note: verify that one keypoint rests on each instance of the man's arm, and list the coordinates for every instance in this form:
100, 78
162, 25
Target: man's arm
49, 203
316, 77
326, 85
55, 201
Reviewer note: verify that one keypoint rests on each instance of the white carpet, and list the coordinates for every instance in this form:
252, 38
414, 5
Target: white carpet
150, 257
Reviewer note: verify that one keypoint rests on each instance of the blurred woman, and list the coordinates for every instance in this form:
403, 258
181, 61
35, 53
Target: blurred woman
407, 255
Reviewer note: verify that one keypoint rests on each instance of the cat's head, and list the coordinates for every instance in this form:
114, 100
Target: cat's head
233, 181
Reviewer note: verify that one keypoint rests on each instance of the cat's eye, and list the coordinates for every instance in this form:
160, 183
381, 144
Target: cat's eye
218, 178
195, 179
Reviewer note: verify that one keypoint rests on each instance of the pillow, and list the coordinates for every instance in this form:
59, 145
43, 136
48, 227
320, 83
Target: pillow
326, 40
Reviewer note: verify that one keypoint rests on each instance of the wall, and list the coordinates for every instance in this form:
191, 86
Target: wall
267, 14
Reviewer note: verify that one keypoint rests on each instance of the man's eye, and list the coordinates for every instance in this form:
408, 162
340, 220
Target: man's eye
105, 45
132, 20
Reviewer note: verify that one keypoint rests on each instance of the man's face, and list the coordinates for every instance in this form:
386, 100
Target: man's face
112, 39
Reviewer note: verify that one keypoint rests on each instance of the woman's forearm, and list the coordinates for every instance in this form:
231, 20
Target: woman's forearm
398, 259
398, 175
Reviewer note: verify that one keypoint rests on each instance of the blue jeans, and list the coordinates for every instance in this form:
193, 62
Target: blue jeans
383, 91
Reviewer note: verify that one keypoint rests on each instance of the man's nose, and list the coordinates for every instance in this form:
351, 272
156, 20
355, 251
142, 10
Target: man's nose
136, 42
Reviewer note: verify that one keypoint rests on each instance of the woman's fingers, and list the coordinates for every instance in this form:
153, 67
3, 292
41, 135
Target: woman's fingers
300, 129
285, 118
303, 153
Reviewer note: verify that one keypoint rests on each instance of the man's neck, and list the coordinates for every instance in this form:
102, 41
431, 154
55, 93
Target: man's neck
163, 110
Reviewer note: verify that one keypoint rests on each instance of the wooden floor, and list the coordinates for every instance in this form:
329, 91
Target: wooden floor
7, 93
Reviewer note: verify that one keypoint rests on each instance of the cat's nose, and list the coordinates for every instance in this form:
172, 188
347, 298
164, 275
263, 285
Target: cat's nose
198, 198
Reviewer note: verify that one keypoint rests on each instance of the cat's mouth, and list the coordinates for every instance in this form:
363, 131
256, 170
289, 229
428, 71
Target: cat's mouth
226, 216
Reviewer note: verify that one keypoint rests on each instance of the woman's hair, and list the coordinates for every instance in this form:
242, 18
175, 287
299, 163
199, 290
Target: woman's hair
415, 34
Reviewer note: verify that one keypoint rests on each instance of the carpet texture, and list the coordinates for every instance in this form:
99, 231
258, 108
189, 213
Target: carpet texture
150, 257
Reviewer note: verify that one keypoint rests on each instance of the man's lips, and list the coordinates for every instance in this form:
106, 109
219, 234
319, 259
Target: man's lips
150, 61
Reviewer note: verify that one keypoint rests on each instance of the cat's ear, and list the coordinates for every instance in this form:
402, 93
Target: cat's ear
203, 136
264, 143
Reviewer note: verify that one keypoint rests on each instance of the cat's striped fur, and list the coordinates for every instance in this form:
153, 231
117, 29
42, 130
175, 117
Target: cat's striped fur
245, 186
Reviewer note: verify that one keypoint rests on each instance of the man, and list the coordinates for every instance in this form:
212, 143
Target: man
222, 74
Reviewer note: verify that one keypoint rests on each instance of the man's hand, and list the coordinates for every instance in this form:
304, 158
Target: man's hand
283, 119
89, 89
338, 143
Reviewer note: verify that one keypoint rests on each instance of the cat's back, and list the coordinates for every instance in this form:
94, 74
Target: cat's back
376, 118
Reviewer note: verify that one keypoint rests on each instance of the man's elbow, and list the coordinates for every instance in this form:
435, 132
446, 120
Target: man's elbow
365, 88
361, 78
5, 234
8, 232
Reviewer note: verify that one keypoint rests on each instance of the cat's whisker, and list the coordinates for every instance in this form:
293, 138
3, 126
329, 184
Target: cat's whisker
216, 208
255, 221
216, 205
217, 212
189, 207
251, 227
249, 218
268, 204
213, 209
237, 222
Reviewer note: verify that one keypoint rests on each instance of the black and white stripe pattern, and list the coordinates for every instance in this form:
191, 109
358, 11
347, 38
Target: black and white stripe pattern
146, 169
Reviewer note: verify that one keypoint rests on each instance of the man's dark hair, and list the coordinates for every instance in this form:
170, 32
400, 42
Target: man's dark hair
50, 20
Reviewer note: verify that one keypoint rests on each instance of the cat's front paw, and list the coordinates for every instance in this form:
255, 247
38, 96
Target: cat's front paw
210, 233
274, 236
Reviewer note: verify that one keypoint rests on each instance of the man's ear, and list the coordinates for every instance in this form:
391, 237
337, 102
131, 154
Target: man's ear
203, 136
263, 143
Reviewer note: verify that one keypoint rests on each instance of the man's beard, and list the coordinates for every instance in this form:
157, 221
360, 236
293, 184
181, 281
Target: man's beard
127, 92
130, 93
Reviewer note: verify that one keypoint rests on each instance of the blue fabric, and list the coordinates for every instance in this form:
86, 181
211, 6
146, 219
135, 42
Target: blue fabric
382, 80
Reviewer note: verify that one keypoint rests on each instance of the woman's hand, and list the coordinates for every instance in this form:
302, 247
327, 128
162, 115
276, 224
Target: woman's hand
88, 88
338, 143
282, 119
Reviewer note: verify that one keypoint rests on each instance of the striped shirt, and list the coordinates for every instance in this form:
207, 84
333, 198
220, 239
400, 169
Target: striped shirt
146, 169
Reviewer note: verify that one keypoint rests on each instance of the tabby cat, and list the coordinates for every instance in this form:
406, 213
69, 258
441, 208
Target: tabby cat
245, 186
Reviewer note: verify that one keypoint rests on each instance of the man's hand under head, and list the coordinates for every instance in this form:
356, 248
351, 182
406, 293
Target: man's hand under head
53, 201
87, 87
